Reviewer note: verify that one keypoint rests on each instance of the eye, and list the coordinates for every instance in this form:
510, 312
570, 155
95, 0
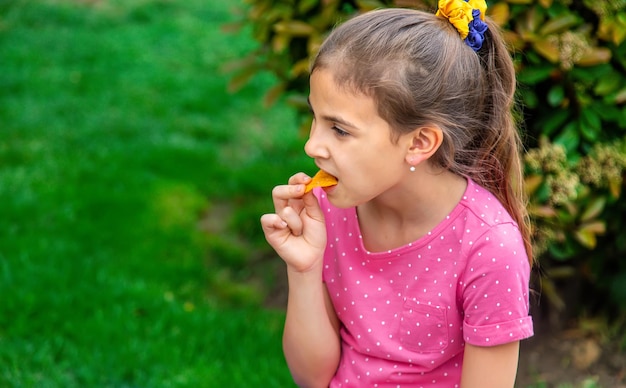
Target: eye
340, 132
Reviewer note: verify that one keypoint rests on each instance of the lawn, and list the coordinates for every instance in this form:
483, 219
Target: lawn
131, 183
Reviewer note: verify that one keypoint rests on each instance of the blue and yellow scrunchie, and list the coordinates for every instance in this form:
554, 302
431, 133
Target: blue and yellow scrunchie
467, 16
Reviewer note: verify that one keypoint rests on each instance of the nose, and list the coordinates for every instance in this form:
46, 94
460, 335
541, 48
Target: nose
314, 146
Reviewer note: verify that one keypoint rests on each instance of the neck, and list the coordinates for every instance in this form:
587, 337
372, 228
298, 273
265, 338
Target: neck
410, 211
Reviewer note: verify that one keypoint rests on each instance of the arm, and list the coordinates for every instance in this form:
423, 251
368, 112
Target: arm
490, 367
495, 286
311, 336
298, 234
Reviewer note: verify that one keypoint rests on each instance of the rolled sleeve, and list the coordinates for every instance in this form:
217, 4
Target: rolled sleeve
495, 293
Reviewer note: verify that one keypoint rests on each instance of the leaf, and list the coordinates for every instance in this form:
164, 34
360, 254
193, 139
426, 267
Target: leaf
608, 112
591, 74
563, 251
306, 5
613, 29
542, 211
620, 97
607, 84
615, 187
547, 49
239, 80
545, 3
294, 28
590, 124
298, 100
594, 209
280, 42
368, 5
597, 227
556, 95
499, 13
559, 24
274, 93
532, 183
300, 67
529, 97
233, 27
534, 74
314, 43
594, 56
587, 234
534, 18
569, 137
570, 212
619, 34
543, 192
513, 40
239, 64
555, 121
591, 117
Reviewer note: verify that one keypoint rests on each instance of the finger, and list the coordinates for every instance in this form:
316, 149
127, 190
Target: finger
271, 222
299, 178
275, 230
293, 220
312, 207
281, 195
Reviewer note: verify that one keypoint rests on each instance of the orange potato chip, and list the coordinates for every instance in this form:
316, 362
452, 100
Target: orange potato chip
320, 179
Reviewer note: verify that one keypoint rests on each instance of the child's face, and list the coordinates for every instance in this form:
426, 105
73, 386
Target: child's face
351, 141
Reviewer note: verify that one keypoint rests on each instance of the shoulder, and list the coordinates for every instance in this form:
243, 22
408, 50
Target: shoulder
484, 207
493, 239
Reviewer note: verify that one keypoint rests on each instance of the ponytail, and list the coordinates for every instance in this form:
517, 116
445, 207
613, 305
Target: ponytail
499, 165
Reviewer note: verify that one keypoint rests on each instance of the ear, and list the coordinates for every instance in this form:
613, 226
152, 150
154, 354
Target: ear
423, 142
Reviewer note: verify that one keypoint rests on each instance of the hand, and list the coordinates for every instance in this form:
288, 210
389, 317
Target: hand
296, 231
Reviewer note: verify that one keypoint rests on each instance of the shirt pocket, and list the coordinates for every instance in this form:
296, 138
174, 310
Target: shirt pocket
424, 328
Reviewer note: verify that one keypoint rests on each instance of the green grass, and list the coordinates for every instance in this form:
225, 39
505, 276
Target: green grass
131, 184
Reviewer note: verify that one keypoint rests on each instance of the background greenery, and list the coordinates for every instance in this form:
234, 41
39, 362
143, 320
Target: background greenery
570, 58
131, 184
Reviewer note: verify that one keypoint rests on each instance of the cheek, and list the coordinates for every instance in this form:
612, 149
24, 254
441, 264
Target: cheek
363, 187
354, 189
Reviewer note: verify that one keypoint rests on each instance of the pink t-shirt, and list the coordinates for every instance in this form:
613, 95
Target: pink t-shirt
407, 313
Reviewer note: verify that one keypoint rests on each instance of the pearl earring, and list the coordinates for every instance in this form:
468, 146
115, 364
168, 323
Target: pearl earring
412, 168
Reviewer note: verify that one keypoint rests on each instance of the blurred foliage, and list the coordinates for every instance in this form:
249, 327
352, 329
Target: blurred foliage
570, 58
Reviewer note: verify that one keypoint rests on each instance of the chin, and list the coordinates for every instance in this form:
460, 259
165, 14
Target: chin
341, 202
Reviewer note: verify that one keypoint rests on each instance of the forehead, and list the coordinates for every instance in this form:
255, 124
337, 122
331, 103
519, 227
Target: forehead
326, 91
342, 105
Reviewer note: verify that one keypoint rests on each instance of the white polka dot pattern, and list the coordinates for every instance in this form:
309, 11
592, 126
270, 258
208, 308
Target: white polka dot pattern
407, 313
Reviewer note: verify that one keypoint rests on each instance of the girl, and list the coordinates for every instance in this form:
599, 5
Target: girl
413, 270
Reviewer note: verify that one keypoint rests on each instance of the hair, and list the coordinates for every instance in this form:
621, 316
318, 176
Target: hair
420, 72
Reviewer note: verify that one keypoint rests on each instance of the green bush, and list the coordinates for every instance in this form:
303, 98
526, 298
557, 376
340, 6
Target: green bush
570, 58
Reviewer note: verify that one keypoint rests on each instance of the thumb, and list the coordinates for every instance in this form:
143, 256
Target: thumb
312, 207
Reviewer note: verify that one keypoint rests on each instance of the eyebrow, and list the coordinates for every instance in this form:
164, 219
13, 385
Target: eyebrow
335, 119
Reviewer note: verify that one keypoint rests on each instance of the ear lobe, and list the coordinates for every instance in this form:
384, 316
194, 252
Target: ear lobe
424, 142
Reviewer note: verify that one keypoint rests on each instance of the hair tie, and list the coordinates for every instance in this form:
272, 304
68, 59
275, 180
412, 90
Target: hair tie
467, 16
